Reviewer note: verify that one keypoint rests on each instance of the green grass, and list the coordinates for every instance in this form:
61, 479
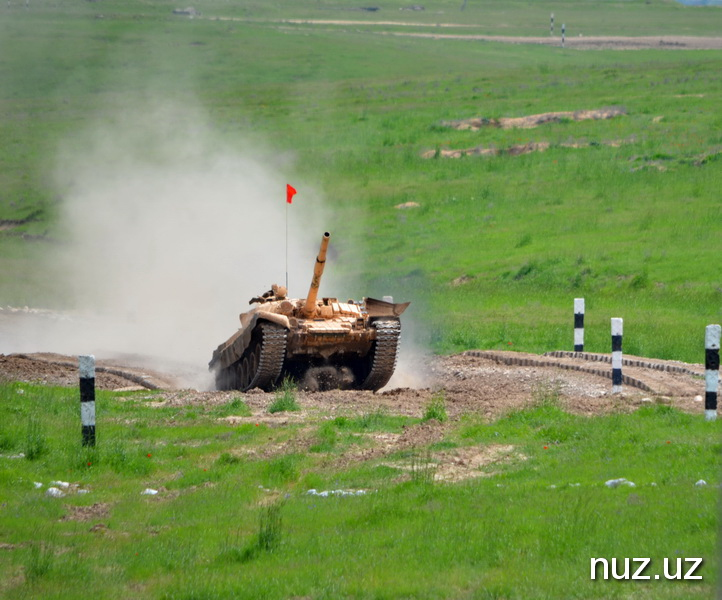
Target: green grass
527, 530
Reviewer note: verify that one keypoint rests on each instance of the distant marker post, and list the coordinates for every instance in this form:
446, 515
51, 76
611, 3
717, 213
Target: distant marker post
564, 28
617, 330
551, 26
87, 398
578, 324
711, 370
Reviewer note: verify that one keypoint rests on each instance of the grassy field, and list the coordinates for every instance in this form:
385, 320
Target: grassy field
233, 519
491, 258
631, 228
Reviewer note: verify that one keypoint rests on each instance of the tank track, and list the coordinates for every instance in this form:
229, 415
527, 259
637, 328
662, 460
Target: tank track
383, 362
261, 363
270, 351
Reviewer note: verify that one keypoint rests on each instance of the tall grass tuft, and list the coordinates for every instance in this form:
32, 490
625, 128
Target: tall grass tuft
546, 394
285, 399
235, 407
436, 409
35, 442
423, 468
270, 527
40, 560
268, 538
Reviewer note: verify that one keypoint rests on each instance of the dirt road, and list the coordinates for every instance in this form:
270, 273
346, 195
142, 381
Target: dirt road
487, 383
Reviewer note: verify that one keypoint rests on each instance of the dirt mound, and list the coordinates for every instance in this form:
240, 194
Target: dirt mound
61, 370
531, 121
516, 150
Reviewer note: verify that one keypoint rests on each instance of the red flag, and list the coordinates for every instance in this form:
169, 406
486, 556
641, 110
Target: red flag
290, 191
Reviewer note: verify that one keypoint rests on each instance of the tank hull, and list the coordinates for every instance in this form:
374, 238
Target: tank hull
346, 351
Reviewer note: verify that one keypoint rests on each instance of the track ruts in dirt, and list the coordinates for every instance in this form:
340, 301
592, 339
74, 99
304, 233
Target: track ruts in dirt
534, 362
625, 362
663, 378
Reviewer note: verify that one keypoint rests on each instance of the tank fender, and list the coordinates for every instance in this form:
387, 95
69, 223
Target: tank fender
281, 320
231, 350
379, 308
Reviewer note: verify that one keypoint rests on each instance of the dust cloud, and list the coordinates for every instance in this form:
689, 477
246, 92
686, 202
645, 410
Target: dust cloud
414, 359
171, 231
168, 229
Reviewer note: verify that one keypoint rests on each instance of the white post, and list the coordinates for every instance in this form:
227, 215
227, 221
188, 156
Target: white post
551, 26
578, 324
711, 370
617, 330
87, 398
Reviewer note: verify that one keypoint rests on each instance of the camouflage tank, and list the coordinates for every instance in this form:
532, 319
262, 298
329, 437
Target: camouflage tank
322, 344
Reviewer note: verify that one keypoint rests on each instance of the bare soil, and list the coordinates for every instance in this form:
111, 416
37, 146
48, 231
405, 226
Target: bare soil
662, 42
532, 121
488, 383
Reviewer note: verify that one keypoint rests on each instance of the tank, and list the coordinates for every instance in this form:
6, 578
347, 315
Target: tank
320, 343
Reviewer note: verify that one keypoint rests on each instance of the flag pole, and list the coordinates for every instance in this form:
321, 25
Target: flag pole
290, 191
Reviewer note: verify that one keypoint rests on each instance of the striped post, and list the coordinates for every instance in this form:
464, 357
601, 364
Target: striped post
711, 370
564, 28
551, 26
578, 324
87, 398
617, 329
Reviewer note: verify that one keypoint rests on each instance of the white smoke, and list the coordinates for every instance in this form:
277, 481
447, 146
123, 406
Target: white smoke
171, 231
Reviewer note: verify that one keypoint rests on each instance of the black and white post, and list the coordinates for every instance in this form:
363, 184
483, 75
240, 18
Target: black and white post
564, 29
578, 324
87, 398
711, 370
551, 26
617, 330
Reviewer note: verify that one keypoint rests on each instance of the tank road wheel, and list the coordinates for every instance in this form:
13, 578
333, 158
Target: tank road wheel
265, 356
381, 360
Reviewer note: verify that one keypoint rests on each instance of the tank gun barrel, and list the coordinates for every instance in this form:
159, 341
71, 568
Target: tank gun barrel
310, 306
